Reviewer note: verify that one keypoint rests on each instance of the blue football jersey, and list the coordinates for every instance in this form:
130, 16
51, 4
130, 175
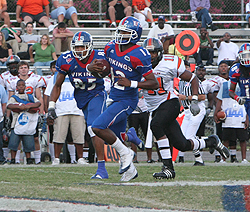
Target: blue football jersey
86, 85
237, 77
134, 63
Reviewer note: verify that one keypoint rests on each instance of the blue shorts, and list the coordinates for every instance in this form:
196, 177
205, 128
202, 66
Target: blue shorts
62, 11
95, 107
247, 16
28, 142
115, 118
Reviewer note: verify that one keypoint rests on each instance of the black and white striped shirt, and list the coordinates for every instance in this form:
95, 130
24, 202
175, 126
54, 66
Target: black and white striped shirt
185, 89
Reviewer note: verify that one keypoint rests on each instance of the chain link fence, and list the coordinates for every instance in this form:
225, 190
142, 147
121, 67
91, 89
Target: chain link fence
236, 7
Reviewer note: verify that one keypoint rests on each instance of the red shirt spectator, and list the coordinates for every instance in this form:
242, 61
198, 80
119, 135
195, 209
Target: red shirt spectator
31, 6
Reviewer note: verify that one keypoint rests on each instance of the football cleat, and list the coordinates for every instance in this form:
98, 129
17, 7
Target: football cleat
244, 161
181, 159
197, 163
126, 161
216, 144
82, 161
166, 173
234, 159
130, 174
56, 162
132, 137
217, 159
99, 177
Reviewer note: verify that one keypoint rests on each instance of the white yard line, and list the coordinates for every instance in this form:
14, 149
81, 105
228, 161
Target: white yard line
20, 204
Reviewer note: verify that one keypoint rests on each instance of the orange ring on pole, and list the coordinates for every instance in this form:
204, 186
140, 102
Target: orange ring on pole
187, 42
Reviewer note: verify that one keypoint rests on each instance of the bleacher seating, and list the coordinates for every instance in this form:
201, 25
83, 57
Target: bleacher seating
102, 34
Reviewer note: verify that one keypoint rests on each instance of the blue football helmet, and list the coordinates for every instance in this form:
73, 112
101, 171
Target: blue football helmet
244, 54
82, 39
130, 25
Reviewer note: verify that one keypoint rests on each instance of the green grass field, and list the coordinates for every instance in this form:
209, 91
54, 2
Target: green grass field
73, 183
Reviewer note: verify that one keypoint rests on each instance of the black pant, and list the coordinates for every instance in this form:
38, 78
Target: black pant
164, 123
204, 54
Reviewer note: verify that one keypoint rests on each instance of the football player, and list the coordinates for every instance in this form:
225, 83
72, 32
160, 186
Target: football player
239, 73
165, 106
89, 91
129, 63
33, 84
12, 71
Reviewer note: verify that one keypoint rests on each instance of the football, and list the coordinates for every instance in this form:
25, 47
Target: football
33, 110
105, 69
221, 115
16, 110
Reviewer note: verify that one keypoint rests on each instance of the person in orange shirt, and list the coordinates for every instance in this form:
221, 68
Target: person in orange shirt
33, 11
143, 12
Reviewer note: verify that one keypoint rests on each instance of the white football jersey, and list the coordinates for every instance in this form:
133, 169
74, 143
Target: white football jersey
34, 81
217, 82
169, 67
208, 86
45, 80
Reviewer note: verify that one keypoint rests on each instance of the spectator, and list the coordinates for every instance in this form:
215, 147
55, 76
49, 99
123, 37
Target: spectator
22, 131
206, 51
143, 12
45, 53
71, 116
117, 10
29, 38
13, 38
62, 38
64, 9
33, 86
236, 123
3, 12
248, 13
200, 10
33, 11
217, 82
5, 50
227, 50
4, 99
163, 32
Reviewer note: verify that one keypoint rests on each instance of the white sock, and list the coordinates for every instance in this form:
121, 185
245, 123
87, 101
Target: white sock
120, 147
37, 156
198, 143
72, 152
165, 153
181, 154
17, 159
199, 159
85, 154
52, 151
233, 151
6, 152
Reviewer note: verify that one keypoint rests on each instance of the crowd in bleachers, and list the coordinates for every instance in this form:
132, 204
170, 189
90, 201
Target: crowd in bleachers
45, 50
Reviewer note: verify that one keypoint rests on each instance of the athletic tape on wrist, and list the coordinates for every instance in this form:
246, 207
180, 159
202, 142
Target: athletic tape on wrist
133, 84
195, 97
52, 104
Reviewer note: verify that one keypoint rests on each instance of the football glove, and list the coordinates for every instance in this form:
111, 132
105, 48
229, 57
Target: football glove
241, 100
194, 108
7, 123
51, 113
